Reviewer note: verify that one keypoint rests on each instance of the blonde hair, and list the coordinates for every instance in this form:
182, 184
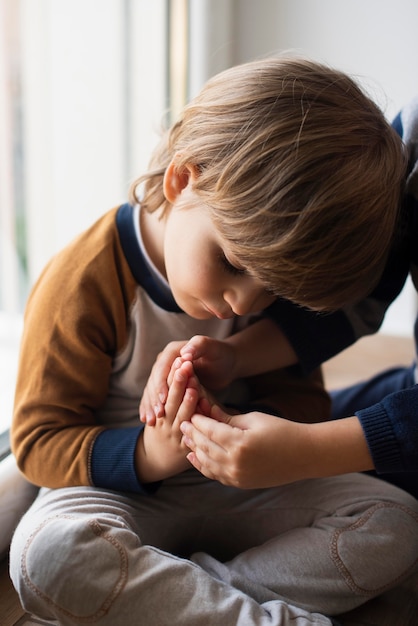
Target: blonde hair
302, 174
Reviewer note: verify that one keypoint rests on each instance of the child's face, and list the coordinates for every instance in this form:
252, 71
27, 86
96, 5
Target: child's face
204, 277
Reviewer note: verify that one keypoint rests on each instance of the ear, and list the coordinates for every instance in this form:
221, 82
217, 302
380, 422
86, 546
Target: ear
175, 179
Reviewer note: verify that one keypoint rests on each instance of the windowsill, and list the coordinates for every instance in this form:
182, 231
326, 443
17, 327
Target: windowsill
10, 332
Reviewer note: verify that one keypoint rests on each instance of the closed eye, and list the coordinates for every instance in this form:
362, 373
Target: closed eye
229, 267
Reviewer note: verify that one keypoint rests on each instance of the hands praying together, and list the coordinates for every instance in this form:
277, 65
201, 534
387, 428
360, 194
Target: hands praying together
185, 425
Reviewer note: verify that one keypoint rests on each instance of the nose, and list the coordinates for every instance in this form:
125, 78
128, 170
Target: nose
247, 299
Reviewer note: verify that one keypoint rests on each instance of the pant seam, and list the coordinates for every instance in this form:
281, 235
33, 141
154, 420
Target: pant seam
109, 600
344, 571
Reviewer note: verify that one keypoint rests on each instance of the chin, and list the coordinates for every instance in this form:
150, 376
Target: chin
200, 315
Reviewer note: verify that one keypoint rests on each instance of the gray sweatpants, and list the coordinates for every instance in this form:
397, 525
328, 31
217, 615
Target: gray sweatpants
197, 553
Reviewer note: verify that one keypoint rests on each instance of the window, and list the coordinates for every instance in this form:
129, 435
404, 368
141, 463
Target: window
13, 262
83, 90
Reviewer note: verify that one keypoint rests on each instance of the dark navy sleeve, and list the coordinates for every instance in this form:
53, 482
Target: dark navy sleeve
112, 464
391, 431
315, 337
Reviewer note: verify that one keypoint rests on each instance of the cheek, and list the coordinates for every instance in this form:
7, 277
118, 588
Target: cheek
200, 276
185, 274
197, 266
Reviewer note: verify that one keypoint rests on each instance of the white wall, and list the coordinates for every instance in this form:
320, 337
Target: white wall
374, 40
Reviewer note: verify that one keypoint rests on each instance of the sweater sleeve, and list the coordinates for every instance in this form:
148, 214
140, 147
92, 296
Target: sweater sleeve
316, 337
75, 322
112, 461
391, 431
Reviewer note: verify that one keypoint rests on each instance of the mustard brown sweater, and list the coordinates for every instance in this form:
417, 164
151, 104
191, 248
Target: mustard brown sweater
94, 324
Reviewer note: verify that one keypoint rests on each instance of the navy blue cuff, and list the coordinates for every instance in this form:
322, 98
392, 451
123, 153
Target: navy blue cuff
113, 461
381, 439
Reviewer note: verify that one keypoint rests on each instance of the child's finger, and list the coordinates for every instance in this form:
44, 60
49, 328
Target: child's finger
177, 363
161, 371
188, 405
177, 389
194, 348
204, 438
148, 412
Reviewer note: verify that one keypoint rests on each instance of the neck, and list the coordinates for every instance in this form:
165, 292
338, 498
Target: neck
152, 226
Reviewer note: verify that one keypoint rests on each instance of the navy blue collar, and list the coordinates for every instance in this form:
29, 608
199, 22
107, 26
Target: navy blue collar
137, 263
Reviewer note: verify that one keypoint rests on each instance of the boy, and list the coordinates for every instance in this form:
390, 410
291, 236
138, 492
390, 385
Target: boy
125, 532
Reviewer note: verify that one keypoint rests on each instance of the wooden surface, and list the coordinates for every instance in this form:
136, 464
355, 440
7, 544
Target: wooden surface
367, 357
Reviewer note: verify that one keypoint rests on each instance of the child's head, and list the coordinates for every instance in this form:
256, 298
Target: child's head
300, 171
